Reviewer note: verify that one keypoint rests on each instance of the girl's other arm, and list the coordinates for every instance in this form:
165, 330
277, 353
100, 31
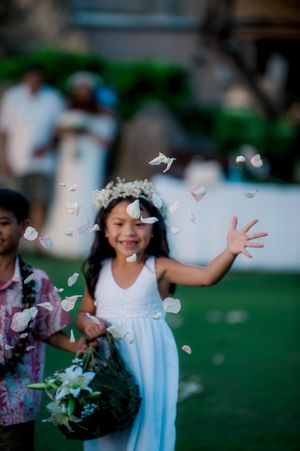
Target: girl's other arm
237, 241
93, 327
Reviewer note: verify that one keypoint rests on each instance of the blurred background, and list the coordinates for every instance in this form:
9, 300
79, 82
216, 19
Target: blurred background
95, 89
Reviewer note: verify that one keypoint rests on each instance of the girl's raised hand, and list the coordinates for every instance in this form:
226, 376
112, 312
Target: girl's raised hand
237, 241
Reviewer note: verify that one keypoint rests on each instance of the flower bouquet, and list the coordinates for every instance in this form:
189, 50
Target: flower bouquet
93, 397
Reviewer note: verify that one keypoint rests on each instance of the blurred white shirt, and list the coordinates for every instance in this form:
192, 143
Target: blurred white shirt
29, 121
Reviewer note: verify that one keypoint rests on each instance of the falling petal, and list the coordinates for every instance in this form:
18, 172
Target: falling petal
7, 347
174, 207
29, 348
20, 320
169, 164
68, 303
251, 194
72, 337
189, 388
73, 279
30, 278
256, 161
157, 202
133, 209
240, 159
117, 331
150, 220
46, 305
174, 230
59, 290
158, 160
187, 349
132, 258
214, 316
218, 359
192, 218
85, 227
95, 228
73, 208
157, 315
93, 318
69, 186
236, 316
30, 233
198, 192
69, 232
46, 241
171, 305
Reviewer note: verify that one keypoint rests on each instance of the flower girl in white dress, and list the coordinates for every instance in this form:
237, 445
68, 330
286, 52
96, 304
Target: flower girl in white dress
128, 275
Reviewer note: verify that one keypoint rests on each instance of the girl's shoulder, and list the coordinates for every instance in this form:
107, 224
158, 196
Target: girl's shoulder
162, 264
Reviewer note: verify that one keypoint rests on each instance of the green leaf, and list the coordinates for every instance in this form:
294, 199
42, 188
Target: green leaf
38, 386
71, 406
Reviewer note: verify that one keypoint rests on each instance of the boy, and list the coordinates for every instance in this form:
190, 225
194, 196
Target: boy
22, 343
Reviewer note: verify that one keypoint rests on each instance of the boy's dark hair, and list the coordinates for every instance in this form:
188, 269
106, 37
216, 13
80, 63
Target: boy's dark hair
15, 202
101, 249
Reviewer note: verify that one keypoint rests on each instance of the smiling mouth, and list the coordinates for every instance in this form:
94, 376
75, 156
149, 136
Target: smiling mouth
130, 244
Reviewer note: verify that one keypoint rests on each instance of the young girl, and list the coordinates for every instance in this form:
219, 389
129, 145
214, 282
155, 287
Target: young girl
128, 274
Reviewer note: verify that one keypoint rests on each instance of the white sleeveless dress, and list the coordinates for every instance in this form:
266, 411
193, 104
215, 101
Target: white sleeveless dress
150, 352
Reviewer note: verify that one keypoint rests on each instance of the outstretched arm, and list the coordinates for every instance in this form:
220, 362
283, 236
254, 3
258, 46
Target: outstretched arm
237, 242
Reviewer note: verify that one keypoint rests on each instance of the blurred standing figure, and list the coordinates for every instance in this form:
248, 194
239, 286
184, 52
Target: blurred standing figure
28, 117
85, 132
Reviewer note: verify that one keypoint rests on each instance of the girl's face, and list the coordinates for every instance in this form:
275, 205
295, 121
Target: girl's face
10, 232
125, 234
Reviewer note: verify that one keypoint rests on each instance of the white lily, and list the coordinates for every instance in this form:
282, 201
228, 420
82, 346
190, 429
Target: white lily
74, 380
59, 415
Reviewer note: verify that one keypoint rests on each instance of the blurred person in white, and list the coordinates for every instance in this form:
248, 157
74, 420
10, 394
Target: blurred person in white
28, 117
85, 132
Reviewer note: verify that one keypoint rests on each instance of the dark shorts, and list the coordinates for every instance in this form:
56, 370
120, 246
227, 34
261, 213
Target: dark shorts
37, 188
17, 437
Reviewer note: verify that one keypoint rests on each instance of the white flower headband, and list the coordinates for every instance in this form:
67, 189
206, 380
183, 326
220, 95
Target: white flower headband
121, 188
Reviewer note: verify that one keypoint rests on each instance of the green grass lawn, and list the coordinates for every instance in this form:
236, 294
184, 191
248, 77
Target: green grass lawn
249, 402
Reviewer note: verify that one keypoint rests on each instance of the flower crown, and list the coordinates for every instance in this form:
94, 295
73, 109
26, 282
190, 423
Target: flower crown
121, 188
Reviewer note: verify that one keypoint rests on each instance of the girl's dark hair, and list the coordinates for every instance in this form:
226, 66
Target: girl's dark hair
101, 249
15, 202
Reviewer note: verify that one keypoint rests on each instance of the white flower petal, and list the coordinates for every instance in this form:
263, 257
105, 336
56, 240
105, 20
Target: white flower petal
46, 305
133, 209
117, 331
20, 321
174, 207
30, 278
174, 230
30, 233
187, 349
72, 337
171, 305
198, 192
132, 258
69, 232
68, 303
157, 315
251, 194
218, 359
8, 347
157, 202
73, 279
158, 160
46, 241
59, 290
240, 159
95, 228
150, 220
73, 208
256, 161
93, 318
169, 164
192, 218
85, 227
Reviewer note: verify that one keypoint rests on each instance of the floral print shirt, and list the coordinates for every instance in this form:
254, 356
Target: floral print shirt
19, 404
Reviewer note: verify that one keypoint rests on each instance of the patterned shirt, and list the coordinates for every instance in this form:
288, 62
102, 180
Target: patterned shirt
19, 404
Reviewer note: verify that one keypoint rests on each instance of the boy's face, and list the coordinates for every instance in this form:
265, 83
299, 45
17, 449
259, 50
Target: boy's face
10, 232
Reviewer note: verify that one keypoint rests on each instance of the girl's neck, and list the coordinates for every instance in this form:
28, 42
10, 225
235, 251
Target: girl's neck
7, 267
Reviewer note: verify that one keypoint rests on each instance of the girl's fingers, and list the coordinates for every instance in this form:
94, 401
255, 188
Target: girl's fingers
257, 235
248, 226
254, 244
246, 253
233, 223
